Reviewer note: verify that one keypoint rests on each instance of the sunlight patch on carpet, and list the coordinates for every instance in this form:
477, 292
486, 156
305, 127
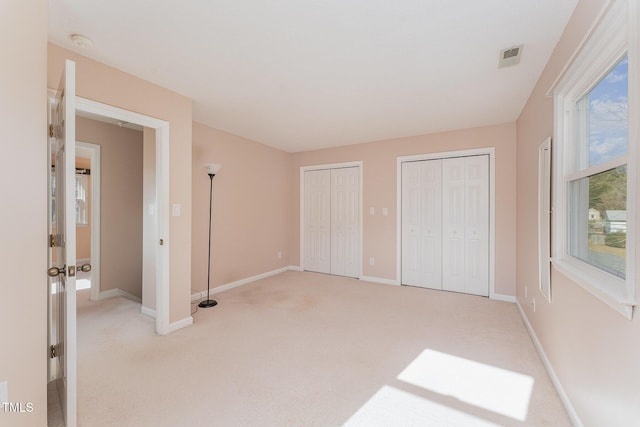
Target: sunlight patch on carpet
394, 407
498, 390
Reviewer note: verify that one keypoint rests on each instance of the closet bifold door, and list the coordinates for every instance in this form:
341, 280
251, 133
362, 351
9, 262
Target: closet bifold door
345, 221
317, 221
422, 223
465, 224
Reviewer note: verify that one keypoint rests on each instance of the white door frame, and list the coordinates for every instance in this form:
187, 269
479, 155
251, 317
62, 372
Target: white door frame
491, 152
162, 197
303, 169
93, 151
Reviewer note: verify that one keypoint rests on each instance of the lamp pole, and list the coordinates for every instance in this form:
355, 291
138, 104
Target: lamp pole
211, 169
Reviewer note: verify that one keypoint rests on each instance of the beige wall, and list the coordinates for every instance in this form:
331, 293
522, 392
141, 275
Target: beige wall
120, 203
593, 349
251, 216
380, 188
23, 254
104, 84
83, 232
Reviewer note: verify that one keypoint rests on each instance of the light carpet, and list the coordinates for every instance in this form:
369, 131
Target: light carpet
307, 349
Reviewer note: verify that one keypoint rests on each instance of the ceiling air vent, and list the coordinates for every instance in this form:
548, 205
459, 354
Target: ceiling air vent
510, 56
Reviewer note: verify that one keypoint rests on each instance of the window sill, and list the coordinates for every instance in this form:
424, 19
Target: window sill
610, 290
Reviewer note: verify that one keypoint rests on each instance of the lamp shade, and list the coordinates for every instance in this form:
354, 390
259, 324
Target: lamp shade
212, 168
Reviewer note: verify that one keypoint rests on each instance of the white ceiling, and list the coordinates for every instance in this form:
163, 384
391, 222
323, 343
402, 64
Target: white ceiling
306, 74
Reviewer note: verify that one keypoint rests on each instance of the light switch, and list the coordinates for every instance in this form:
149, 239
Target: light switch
372, 211
175, 209
385, 211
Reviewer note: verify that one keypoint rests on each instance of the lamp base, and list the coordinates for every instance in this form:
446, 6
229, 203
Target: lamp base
207, 303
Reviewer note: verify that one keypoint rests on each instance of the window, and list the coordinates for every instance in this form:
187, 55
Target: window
595, 158
81, 188
597, 200
82, 182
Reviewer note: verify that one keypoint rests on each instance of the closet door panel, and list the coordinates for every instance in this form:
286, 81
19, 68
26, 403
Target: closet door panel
345, 222
411, 225
445, 224
421, 223
431, 223
317, 221
453, 224
477, 225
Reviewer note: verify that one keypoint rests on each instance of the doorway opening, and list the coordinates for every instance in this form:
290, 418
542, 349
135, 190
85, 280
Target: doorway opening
88, 229
155, 250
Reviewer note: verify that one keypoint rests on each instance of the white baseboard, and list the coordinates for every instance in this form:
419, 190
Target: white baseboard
573, 415
172, 327
199, 295
117, 293
502, 297
379, 280
148, 312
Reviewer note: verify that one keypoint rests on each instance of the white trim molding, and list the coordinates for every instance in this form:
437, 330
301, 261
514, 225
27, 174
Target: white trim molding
504, 298
175, 326
148, 312
199, 295
564, 398
379, 280
112, 293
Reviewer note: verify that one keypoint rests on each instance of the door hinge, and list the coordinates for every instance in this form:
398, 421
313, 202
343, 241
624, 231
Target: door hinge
51, 132
53, 353
55, 240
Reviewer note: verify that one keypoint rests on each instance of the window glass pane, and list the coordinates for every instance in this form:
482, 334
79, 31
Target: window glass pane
598, 218
82, 182
603, 119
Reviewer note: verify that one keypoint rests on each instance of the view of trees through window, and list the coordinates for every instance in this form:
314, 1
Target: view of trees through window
603, 118
608, 220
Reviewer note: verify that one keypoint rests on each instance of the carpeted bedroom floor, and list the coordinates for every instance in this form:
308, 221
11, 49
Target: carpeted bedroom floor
306, 349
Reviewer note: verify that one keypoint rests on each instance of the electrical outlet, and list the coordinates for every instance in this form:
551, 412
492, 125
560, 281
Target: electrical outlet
372, 261
526, 291
385, 211
279, 254
372, 211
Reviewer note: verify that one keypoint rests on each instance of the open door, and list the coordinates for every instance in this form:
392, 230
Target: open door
62, 240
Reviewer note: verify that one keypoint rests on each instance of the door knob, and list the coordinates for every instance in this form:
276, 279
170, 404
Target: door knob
55, 271
85, 267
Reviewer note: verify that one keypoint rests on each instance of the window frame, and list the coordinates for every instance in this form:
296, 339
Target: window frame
615, 36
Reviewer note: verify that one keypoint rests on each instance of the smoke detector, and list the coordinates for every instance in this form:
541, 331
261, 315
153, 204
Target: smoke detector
81, 41
510, 56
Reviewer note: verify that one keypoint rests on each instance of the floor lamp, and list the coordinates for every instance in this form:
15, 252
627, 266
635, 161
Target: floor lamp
211, 169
